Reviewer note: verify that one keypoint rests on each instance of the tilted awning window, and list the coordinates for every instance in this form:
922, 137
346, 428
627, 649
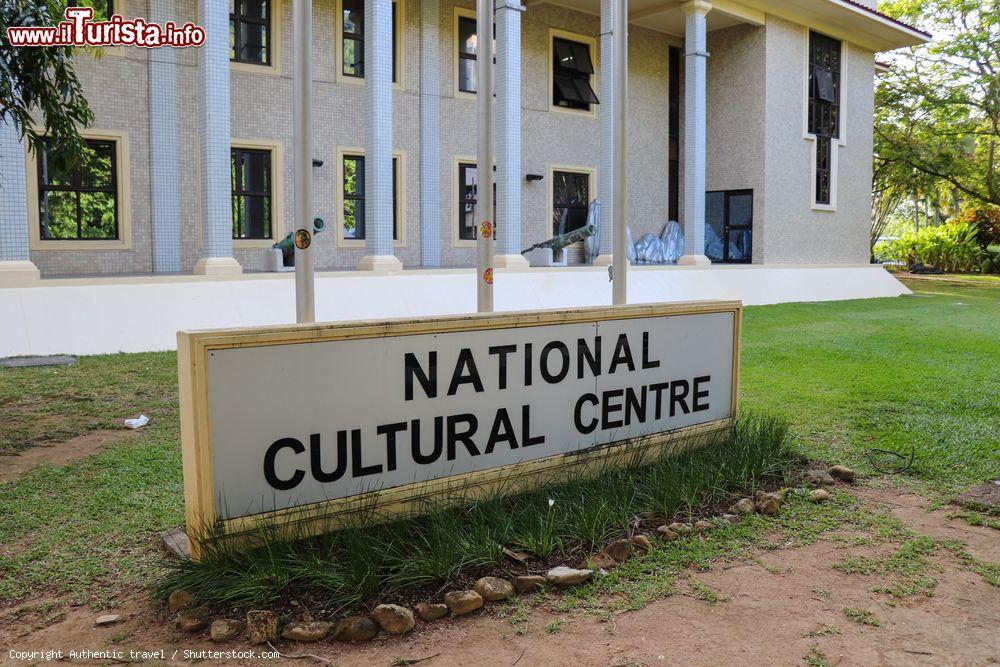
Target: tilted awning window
572, 71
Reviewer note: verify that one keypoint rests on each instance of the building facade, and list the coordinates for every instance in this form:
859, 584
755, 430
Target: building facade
748, 122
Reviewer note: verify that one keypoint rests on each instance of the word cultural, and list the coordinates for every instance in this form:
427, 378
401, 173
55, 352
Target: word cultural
448, 437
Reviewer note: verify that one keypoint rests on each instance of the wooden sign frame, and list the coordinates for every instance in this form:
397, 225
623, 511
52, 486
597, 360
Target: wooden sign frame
193, 350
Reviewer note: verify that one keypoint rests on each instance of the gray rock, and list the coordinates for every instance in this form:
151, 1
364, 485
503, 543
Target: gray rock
567, 576
843, 473
463, 602
107, 619
394, 619
494, 588
262, 627
306, 631
224, 629
192, 620
179, 600
431, 611
354, 629
528, 583
819, 495
819, 478
743, 506
667, 534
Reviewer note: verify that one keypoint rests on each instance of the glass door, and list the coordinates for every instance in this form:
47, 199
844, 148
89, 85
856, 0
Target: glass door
729, 226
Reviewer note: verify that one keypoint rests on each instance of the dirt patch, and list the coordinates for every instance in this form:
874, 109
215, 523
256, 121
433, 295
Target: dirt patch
63, 453
784, 606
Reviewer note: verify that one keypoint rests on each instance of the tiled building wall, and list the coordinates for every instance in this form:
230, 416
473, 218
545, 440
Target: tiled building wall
261, 110
793, 231
750, 69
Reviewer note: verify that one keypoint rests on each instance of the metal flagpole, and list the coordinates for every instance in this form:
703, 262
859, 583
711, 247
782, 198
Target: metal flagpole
485, 237
619, 261
305, 285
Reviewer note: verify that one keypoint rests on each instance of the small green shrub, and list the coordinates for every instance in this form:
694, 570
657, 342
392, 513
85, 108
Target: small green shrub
951, 248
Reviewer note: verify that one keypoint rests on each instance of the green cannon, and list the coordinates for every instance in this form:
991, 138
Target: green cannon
287, 244
560, 241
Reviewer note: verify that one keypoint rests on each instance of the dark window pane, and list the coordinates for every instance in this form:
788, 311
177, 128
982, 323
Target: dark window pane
467, 202
581, 53
740, 210
354, 16
249, 32
467, 35
467, 75
79, 203
715, 225
251, 170
58, 215
570, 199
572, 72
97, 215
96, 166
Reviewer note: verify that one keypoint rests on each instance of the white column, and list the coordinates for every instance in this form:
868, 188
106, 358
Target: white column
164, 159
605, 112
508, 135
378, 138
430, 134
305, 283
216, 180
695, 65
16, 266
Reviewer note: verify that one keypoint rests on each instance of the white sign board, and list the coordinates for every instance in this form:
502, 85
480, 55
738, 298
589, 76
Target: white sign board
298, 416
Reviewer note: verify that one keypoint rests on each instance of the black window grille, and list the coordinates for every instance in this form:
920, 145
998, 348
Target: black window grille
674, 165
79, 202
353, 37
354, 198
251, 178
250, 32
572, 71
468, 185
570, 199
824, 106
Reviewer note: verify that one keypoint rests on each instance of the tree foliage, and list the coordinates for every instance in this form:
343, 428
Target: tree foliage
938, 108
39, 83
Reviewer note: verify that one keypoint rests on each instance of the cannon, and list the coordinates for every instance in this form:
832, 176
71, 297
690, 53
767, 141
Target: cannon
286, 247
551, 252
561, 241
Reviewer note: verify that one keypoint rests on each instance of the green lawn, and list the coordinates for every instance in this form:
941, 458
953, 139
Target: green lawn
920, 371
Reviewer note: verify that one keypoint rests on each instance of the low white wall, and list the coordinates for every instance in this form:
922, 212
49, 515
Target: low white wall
78, 316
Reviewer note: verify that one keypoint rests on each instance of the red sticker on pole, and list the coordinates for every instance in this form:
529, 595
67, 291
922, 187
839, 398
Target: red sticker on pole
486, 229
488, 276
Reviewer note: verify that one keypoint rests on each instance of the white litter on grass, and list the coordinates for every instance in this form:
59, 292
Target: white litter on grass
138, 422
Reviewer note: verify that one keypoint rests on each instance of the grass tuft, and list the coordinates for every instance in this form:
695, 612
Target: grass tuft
362, 562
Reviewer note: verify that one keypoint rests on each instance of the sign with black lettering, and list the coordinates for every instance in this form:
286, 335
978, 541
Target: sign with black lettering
282, 419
